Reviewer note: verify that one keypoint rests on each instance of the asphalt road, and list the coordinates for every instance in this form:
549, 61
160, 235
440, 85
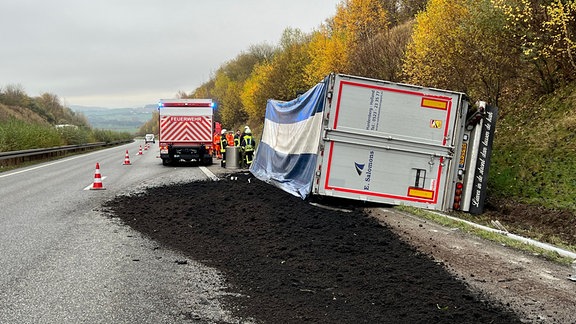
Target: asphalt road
63, 260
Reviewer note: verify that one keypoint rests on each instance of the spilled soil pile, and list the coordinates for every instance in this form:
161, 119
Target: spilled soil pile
293, 262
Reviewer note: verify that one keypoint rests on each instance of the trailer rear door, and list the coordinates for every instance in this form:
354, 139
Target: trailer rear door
388, 142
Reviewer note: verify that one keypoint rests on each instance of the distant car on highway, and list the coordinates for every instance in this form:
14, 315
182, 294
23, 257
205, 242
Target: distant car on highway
149, 138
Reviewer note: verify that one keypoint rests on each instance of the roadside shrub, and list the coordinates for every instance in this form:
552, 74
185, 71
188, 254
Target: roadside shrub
17, 135
102, 135
73, 135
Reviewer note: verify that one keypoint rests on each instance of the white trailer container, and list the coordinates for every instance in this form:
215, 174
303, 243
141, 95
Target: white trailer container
380, 141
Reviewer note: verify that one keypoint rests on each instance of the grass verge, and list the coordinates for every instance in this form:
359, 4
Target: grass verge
487, 235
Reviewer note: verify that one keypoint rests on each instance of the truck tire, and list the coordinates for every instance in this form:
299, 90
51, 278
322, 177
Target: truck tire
166, 162
207, 160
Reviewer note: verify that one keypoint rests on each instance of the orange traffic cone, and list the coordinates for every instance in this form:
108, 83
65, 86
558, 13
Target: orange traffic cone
97, 185
146, 147
127, 159
140, 150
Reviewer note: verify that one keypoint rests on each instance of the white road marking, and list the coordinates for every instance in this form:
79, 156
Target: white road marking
209, 173
90, 186
47, 164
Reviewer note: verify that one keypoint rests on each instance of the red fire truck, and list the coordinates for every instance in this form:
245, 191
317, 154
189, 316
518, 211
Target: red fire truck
186, 129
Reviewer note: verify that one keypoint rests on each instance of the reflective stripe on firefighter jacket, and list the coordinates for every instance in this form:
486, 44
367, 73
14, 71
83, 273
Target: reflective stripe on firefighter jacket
223, 144
247, 143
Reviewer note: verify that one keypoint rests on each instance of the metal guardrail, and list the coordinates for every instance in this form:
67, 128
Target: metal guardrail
17, 157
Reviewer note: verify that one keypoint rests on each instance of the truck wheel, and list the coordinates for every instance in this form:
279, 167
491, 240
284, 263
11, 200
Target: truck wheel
207, 160
166, 161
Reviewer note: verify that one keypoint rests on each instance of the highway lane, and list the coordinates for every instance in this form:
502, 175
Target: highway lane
64, 261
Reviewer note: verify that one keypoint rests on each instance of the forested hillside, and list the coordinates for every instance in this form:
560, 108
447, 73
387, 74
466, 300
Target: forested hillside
39, 122
516, 54
45, 109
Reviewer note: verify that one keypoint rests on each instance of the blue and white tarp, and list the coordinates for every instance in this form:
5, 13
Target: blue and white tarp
286, 156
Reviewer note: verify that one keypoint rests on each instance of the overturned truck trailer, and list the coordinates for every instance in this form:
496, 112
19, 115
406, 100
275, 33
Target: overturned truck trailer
379, 141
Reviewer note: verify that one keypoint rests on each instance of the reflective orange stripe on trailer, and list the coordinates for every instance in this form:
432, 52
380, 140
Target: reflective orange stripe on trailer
420, 193
434, 103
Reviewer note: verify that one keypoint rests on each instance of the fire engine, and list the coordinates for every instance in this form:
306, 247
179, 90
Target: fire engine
186, 129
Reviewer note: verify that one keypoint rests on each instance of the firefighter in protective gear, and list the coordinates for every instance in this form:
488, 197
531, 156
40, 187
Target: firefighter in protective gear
223, 145
237, 138
248, 145
230, 138
216, 143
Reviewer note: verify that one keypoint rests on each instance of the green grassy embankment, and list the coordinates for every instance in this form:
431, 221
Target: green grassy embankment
534, 156
532, 181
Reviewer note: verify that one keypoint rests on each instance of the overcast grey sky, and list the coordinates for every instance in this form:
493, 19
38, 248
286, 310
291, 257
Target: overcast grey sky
129, 53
